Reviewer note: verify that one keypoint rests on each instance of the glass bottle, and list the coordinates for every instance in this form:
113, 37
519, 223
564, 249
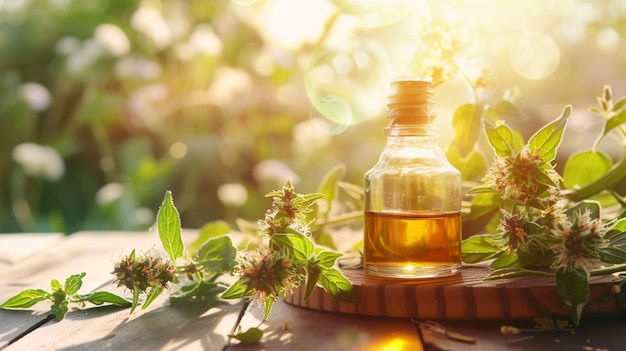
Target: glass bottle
413, 194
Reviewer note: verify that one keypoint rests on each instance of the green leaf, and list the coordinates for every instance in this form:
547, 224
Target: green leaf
196, 289
505, 273
250, 336
26, 298
309, 199
56, 286
208, 231
269, 302
328, 185
299, 248
547, 140
135, 302
467, 123
59, 309
337, 285
73, 283
506, 260
615, 255
619, 226
479, 248
238, 290
153, 293
327, 258
102, 297
572, 286
615, 121
168, 223
218, 254
471, 167
502, 140
584, 167
484, 203
619, 104
312, 278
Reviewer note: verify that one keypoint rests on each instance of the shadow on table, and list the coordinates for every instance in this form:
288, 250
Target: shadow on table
172, 326
15, 322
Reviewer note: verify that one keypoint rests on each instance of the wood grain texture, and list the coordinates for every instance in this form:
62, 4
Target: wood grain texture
463, 296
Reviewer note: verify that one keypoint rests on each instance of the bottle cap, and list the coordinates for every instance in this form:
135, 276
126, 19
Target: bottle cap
410, 101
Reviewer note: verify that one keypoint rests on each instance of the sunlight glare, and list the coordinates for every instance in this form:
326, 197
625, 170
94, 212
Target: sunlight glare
292, 23
534, 55
376, 13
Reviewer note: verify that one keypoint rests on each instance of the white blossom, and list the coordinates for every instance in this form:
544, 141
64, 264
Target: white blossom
36, 95
274, 171
39, 161
150, 22
113, 39
233, 194
109, 193
204, 40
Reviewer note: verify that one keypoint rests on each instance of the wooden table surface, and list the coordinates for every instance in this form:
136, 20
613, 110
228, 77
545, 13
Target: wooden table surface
32, 260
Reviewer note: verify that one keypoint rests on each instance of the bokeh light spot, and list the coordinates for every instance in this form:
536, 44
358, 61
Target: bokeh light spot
178, 150
607, 39
333, 109
534, 55
244, 2
376, 13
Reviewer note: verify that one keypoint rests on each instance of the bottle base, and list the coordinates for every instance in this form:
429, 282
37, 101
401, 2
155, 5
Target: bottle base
407, 271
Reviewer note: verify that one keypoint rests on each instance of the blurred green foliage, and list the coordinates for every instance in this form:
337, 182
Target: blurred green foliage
106, 104
129, 123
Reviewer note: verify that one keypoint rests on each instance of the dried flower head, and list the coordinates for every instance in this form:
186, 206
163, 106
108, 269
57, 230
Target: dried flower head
581, 239
288, 213
269, 273
511, 231
144, 272
520, 177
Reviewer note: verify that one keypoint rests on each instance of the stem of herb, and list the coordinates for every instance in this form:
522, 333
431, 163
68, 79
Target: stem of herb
243, 310
608, 270
607, 181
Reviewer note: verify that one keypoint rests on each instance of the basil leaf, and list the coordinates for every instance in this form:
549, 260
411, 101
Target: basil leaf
250, 336
168, 223
73, 283
26, 298
218, 254
337, 285
101, 297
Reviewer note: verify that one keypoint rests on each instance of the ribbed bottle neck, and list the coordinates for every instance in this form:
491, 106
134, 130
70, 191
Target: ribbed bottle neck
410, 108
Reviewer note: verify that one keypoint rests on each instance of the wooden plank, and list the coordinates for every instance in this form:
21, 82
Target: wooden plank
205, 327
295, 328
160, 327
15, 248
463, 296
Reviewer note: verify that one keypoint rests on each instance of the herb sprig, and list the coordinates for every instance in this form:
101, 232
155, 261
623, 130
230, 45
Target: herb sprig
540, 223
62, 295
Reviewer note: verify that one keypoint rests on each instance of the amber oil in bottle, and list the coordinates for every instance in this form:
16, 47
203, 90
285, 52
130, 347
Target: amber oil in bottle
413, 194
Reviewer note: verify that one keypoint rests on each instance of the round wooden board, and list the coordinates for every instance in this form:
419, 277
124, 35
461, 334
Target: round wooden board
462, 296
